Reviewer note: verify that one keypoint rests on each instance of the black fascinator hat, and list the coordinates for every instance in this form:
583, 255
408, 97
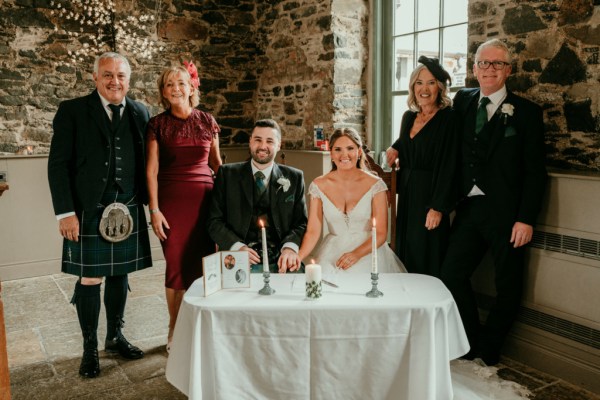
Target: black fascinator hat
436, 69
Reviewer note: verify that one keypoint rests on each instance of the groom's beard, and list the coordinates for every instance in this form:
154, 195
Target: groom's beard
267, 157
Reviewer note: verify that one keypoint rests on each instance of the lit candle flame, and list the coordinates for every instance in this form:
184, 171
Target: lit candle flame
374, 223
260, 221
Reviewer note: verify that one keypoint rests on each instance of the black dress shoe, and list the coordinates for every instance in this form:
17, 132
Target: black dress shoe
471, 355
90, 365
490, 357
120, 345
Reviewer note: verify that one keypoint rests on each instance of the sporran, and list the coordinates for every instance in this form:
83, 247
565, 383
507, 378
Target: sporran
116, 223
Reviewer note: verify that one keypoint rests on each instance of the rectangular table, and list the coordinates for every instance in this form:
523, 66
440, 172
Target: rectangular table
237, 344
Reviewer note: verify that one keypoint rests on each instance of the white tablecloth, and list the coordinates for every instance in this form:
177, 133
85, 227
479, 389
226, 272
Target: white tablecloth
237, 344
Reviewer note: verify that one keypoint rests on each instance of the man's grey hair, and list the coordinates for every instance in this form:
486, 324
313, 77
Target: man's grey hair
497, 43
116, 56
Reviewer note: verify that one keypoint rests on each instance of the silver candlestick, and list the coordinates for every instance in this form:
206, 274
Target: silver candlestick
266, 290
374, 292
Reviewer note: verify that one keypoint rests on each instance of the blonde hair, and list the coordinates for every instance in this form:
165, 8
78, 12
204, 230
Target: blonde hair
443, 100
353, 135
164, 77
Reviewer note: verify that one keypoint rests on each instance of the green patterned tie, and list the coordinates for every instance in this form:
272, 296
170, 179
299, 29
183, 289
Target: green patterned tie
260, 182
481, 118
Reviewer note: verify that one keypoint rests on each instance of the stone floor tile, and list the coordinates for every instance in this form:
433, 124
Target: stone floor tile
45, 346
66, 283
564, 391
24, 348
64, 346
48, 307
58, 330
151, 389
27, 286
154, 344
526, 370
510, 374
151, 366
145, 285
29, 374
145, 317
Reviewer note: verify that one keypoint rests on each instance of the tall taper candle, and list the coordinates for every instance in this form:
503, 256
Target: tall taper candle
374, 248
265, 254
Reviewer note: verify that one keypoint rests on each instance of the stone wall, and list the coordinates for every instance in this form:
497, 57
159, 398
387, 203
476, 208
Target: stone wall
256, 59
302, 62
556, 64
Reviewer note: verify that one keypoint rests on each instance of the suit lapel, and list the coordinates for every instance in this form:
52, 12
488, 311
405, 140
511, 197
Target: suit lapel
247, 182
98, 114
275, 195
133, 113
497, 127
469, 111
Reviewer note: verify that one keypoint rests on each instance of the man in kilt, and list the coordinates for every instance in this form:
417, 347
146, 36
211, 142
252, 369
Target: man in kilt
96, 174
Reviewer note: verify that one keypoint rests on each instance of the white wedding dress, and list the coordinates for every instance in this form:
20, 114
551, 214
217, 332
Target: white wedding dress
346, 231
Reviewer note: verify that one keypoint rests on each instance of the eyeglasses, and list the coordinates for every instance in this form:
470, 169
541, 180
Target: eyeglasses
498, 65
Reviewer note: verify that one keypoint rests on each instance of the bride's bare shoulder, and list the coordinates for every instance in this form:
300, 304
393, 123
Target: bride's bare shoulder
369, 178
324, 181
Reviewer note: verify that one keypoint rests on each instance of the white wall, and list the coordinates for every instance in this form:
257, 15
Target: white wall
30, 244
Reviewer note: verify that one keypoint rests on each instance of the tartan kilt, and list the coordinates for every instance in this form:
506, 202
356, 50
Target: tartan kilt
94, 256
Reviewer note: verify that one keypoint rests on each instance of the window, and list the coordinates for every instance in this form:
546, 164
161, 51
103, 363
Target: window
409, 29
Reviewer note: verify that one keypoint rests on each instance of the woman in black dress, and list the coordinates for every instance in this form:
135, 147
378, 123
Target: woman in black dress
427, 151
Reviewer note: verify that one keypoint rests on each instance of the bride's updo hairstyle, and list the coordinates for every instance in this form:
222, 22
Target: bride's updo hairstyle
353, 135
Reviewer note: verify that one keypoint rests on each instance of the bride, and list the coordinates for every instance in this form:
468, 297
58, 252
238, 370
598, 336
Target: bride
347, 199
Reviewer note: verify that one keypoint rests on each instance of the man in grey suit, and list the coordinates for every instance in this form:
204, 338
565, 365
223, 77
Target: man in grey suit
260, 192
503, 177
96, 172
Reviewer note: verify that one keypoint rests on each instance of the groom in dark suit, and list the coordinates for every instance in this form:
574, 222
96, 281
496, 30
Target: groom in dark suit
502, 184
96, 166
260, 191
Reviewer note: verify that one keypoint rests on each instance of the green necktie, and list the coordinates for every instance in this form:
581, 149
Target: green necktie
260, 182
481, 118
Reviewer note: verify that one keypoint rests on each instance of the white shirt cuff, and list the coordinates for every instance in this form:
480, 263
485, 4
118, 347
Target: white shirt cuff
65, 215
236, 246
290, 245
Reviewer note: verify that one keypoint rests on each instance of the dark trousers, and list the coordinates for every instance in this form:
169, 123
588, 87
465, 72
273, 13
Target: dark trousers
474, 232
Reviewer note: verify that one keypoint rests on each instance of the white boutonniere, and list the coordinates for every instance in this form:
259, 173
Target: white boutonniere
507, 110
284, 183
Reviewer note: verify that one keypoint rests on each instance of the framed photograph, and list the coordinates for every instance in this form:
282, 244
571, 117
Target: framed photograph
225, 270
236, 269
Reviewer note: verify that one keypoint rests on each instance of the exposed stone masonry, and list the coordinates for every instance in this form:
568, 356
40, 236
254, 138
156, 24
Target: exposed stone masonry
302, 62
556, 46
256, 59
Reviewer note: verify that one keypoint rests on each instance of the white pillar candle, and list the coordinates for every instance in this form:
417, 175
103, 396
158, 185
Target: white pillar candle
265, 254
374, 248
312, 273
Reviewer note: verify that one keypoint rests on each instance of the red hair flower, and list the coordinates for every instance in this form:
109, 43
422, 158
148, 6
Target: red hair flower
193, 73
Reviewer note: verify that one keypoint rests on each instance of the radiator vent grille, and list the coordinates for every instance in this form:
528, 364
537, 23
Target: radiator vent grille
566, 244
558, 326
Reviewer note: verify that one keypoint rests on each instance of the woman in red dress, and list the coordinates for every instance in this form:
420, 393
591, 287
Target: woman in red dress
182, 157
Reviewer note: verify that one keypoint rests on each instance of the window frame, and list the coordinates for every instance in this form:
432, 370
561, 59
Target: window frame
383, 61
